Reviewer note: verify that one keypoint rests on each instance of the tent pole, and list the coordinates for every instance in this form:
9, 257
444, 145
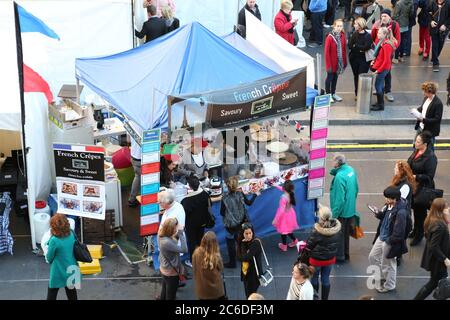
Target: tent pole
78, 90
169, 120
319, 72
133, 23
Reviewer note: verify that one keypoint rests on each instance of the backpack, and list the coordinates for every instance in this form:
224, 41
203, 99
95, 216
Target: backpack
413, 14
235, 212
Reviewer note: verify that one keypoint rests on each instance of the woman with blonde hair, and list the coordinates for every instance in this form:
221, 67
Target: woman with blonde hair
207, 266
323, 245
436, 254
335, 58
382, 64
359, 44
284, 23
172, 23
169, 257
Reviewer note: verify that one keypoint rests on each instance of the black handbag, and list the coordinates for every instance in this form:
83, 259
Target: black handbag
210, 220
426, 195
80, 251
442, 292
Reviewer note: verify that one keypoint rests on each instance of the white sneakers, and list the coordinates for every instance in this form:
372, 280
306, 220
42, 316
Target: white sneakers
336, 98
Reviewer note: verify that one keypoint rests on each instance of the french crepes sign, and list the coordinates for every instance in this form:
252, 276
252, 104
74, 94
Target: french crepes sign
80, 180
267, 98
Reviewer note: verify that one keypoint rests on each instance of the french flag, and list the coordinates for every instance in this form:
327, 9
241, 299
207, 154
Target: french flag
30, 80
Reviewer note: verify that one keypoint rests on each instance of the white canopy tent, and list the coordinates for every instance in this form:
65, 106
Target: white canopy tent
85, 28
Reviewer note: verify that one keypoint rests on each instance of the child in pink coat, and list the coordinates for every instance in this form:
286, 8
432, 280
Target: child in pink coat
286, 219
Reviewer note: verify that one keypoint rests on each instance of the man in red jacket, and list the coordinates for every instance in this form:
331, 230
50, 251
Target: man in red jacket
386, 21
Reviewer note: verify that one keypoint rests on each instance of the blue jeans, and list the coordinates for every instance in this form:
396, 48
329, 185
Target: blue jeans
407, 48
324, 273
401, 50
379, 81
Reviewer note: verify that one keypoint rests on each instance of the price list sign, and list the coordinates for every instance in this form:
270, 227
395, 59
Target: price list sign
150, 182
318, 151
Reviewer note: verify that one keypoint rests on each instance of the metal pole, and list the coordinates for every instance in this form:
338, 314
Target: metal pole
81, 229
78, 90
319, 72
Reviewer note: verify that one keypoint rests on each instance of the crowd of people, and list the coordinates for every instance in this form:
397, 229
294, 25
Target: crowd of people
407, 212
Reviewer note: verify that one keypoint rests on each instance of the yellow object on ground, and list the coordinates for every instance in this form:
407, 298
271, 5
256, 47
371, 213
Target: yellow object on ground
90, 268
96, 251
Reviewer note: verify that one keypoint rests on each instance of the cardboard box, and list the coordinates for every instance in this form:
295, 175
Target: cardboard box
60, 119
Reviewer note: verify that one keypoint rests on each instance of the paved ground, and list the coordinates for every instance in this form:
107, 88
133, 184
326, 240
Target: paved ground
25, 276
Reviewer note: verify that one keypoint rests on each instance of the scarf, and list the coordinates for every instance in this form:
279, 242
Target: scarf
295, 289
337, 38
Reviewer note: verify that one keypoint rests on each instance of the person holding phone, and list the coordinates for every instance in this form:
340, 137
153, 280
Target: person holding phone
391, 240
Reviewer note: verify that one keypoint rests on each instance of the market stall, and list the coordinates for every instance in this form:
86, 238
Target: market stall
191, 60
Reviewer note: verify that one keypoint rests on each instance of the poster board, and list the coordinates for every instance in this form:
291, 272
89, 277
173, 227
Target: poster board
150, 181
318, 152
80, 180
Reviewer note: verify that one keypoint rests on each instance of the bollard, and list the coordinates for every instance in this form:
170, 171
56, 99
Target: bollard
365, 85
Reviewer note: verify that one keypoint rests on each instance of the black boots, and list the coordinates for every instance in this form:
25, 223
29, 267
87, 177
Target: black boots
231, 246
316, 292
379, 106
325, 292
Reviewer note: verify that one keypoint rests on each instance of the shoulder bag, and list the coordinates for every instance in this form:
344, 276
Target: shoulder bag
442, 292
425, 196
80, 251
267, 277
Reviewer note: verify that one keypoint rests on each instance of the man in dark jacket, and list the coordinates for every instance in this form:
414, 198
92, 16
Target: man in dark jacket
431, 112
196, 206
153, 28
391, 241
252, 7
439, 12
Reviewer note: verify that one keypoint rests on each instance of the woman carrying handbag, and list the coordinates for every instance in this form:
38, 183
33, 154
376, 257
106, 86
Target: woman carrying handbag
423, 163
169, 257
249, 252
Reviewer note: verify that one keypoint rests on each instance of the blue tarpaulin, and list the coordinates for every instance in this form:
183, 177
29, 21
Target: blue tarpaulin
188, 60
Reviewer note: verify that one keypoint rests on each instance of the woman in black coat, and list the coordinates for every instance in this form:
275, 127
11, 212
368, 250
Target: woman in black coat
249, 251
423, 163
436, 254
323, 244
196, 206
360, 42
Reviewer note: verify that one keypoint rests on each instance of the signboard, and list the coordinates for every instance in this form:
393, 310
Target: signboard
318, 152
150, 144
271, 97
80, 180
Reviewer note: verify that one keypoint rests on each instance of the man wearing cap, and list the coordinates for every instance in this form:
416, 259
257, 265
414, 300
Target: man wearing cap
390, 239
386, 21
